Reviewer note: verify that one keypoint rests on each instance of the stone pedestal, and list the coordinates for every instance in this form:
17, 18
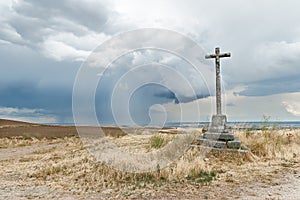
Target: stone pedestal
217, 136
218, 124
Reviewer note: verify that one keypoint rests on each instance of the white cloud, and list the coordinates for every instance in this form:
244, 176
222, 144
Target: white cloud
9, 33
27, 114
60, 51
9, 110
292, 107
84, 42
68, 46
4, 42
69, 30
277, 59
37, 119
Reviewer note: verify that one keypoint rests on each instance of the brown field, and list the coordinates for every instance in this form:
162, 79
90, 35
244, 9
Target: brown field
50, 162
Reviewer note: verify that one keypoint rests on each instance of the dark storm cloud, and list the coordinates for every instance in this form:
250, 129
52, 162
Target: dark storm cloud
35, 82
162, 85
53, 101
168, 94
139, 108
28, 79
273, 86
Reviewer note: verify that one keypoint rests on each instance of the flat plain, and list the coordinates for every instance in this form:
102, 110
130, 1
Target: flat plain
50, 162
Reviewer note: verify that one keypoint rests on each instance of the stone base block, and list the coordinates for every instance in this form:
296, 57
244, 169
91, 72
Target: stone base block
212, 143
219, 136
235, 144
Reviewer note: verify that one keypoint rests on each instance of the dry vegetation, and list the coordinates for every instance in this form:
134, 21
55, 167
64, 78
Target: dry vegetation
20, 141
71, 171
272, 143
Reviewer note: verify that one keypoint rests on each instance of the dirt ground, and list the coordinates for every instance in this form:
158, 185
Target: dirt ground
61, 168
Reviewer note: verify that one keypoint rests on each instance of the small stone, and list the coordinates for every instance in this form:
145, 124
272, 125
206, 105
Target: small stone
269, 193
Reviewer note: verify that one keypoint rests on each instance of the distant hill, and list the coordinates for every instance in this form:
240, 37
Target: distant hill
11, 128
7, 122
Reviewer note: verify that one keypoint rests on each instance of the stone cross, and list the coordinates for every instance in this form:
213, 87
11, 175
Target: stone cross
217, 136
217, 57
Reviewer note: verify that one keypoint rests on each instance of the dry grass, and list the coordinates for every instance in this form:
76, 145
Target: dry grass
19, 141
272, 143
79, 168
160, 140
113, 132
73, 169
82, 173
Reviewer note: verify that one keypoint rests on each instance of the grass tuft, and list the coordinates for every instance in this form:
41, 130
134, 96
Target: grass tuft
270, 141
157, 141
201, 176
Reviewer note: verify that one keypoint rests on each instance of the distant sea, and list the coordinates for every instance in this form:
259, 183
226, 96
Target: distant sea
251, 125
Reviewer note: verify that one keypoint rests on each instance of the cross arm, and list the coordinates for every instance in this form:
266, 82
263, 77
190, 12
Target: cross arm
218, 55
210, 56
224, 55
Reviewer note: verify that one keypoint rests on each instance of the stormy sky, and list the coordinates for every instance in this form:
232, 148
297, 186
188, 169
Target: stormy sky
45, 44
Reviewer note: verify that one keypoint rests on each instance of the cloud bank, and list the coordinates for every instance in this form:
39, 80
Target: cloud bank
43, 44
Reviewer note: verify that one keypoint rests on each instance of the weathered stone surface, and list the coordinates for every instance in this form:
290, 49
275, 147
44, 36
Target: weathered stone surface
217, 124
217, 57
234, 144
215, 144
212, 143
219, 136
